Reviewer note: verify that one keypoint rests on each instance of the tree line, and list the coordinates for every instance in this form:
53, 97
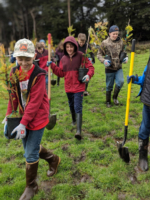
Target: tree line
30, 19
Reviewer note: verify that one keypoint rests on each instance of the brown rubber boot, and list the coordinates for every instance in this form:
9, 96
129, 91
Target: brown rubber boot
79, 125
115, 95
108, 99
52, 159
143, 154
31, 184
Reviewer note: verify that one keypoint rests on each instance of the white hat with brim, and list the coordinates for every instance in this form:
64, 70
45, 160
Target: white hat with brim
24, 47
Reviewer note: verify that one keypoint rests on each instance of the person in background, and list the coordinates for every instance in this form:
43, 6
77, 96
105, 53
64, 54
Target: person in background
112, 47
41, 56
12, 59
42, 42
82, 45
59, 54
41, 59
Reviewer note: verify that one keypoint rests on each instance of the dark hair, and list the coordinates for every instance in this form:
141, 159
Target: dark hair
39, 45
75, 47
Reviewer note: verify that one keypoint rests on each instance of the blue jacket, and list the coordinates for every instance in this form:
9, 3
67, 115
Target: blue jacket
141, 81
12, 59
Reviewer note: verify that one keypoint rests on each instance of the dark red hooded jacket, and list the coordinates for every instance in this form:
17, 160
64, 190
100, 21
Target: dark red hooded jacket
43, 58
69, 68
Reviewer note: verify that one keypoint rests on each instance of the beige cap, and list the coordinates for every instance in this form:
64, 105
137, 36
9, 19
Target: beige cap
24, 47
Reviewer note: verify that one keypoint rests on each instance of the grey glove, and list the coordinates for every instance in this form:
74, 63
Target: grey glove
21, 131
86, 79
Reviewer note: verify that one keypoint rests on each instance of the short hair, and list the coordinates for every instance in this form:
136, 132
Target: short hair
39, 45
82, 36
61, 43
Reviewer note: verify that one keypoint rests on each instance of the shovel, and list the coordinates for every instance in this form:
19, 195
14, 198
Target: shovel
123, 151
53, 81
52, 118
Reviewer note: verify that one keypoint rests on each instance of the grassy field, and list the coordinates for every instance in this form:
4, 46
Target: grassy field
90, 169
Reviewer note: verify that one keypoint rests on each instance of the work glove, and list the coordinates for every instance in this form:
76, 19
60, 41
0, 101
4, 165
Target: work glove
86, 79
21, 131
107, 63
125, 60
5, 127
134, 78
90, 59
48, 63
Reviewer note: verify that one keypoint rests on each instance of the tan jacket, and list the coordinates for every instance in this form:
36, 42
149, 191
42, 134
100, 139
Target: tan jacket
113, 49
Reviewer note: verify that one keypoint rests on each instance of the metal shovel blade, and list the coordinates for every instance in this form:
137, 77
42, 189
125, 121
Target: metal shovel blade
124, 153
53, 82
52, 122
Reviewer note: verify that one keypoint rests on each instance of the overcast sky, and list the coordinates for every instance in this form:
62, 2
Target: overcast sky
3, 2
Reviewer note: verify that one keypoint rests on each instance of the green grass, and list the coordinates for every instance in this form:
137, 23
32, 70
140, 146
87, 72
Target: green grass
90, 169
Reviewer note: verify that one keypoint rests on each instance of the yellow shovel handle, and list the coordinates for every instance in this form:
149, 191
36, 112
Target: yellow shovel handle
129, 85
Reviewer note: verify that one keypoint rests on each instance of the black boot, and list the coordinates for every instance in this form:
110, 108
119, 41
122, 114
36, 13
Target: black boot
58, 79
73, 114
143, 154
79, 125
115, 95
108, 99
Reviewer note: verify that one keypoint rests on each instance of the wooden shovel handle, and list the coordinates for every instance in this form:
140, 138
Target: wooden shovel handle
49, 68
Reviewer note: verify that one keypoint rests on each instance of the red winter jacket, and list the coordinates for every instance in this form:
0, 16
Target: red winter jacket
43, 58
36, 111
69, 68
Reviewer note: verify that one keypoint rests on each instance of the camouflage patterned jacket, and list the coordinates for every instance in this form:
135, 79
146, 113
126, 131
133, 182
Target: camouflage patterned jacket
113, 49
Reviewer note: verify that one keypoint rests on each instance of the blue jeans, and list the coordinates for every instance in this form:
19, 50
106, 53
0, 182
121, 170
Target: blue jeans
115, 76
144, 130
46, 81
31, 144
75, 101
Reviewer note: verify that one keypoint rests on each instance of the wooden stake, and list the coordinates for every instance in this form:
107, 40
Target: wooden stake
49, 68
69, 16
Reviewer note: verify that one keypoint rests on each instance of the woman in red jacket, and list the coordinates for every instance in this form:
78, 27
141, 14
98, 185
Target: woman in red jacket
31, 97
69, 69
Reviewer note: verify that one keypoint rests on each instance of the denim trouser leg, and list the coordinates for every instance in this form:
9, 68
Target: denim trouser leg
115, 76
75, 101
119, 78
144, 130
78, 98
71, 101
110, 77
31, 144
46, 81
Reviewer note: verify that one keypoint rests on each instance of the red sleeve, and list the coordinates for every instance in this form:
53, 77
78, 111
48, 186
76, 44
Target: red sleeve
89, 65
58, 70
36, 98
